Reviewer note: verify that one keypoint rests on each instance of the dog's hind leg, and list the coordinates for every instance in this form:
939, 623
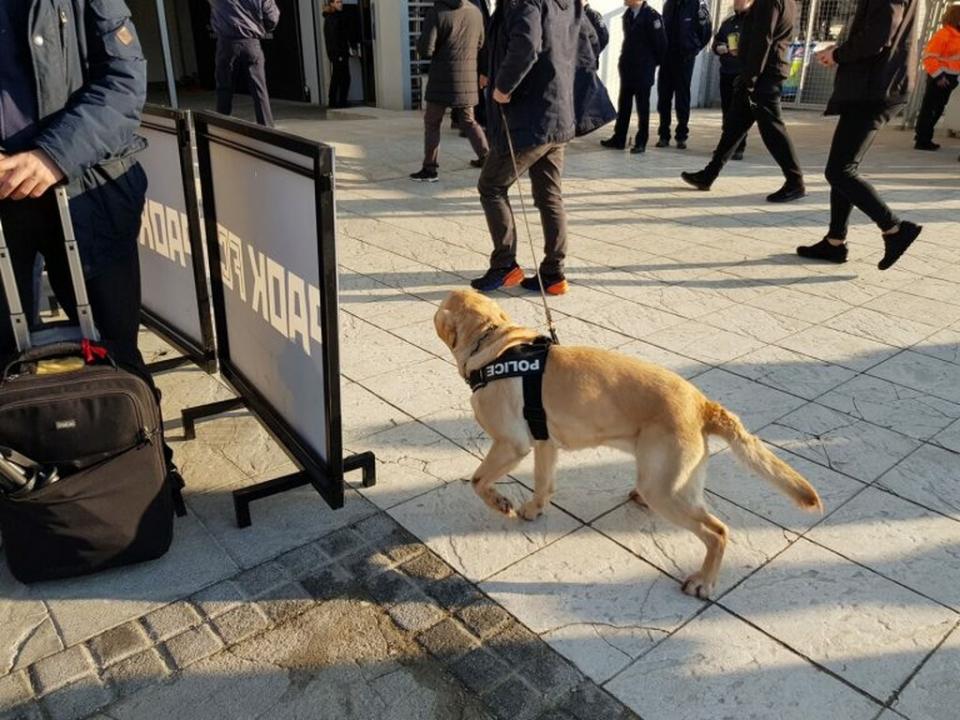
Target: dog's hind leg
678, 497
544, 470
502, 458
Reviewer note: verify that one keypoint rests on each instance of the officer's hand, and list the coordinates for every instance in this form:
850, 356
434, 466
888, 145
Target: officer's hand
484, 81
499, 97
722, 49
27, 174
825, 57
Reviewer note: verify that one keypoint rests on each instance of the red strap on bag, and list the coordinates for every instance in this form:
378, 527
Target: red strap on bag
91, 352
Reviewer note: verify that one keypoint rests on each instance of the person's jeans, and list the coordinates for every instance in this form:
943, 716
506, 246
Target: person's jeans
630, 95
935, 99
244, 56
855, 133
544, 165
673, 89
32, 227
432, 122
763, 108
726, 100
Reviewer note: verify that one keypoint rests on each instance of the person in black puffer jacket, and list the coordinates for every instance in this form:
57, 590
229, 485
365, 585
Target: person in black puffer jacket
689, 27
452, 37
726, 46
876, 71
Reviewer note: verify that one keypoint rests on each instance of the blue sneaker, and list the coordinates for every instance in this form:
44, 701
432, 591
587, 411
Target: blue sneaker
496, 278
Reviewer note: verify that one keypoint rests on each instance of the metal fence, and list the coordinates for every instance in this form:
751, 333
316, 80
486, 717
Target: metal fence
821, 23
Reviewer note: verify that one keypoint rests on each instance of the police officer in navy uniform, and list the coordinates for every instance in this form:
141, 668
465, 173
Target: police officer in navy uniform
240, 25
644, 46
73, 80
689, 29
726, 46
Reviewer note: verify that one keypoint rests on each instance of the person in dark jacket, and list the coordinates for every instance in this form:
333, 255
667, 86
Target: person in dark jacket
767, 30
240, 25
876, 71
533, 50
592, 106
644, 46
688, 27
452, 37
341, 46
480, 110
74, 80
726, 46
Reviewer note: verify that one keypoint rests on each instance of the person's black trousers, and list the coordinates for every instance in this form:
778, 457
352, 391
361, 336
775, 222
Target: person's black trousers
852, 139
726, 100
631, 95
244, 57
762, 108
339, 82
935, 99
32, 227
673, 89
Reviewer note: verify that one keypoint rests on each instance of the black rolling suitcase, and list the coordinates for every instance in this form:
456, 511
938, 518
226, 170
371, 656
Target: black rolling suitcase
84, 484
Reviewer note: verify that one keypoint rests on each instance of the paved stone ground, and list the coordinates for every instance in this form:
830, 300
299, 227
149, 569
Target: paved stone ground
414, 601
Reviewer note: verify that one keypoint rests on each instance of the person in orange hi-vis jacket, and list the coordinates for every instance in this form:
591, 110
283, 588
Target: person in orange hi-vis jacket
941, 60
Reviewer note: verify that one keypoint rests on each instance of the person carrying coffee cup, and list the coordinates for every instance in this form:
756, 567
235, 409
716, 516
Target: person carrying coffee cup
726, 45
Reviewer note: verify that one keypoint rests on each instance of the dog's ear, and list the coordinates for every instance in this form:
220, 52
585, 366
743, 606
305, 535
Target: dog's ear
445, 326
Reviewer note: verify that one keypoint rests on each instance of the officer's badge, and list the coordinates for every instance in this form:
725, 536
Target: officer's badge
124, 35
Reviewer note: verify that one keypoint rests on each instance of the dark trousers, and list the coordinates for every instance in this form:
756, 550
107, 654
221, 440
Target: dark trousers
244, 58
852, 139
673, 88
726, 100
631, 95
339, 82
544, 165
935, 99
32, 227
762, 108
432, 122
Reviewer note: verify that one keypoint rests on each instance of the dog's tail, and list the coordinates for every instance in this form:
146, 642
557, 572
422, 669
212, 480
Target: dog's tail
717, 420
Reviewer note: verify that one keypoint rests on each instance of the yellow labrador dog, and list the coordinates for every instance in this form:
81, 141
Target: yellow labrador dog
595, 397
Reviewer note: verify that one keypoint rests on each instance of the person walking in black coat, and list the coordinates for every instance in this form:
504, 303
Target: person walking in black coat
766, 33
726, 46
592, 106
876, 72
689, 28
452, 37
340, 44
240, 25
644, 47
533, 50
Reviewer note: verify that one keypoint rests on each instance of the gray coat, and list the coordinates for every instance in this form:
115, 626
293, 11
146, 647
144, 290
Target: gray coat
452, 38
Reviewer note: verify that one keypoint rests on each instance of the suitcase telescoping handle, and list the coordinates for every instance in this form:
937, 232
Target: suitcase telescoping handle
21, 326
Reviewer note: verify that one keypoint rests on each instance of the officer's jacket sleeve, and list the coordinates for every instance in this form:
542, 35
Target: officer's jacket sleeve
427, 42
881, 21
658, 39
271, 15
524, 43
761, 40
100, 118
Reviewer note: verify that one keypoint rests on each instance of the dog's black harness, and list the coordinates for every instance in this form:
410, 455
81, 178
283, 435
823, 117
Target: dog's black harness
527, 361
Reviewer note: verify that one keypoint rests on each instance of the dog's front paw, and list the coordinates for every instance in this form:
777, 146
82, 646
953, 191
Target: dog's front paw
698, 586
530, 510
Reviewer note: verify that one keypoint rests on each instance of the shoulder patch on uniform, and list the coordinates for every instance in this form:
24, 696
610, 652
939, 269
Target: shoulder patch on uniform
124, 35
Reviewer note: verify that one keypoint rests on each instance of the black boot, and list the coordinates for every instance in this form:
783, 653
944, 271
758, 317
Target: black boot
701, 180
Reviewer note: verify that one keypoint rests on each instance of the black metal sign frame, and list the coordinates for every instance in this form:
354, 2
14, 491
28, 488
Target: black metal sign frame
326, 475
203, 352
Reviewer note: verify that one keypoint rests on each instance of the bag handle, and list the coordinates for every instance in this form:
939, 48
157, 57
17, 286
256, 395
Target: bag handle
84, 349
